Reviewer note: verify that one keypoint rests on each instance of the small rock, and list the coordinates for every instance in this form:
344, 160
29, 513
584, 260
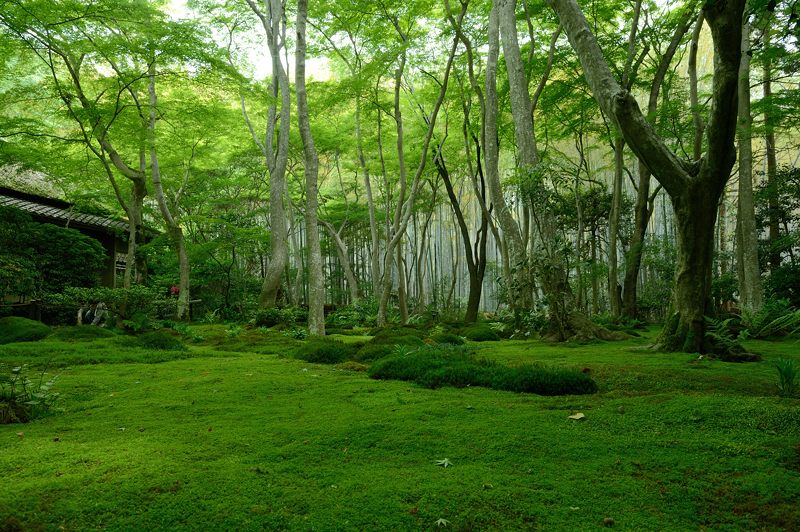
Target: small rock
21, 434
56, 439
608, 522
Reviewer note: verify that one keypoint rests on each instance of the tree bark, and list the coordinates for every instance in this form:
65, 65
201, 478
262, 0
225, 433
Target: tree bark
316, 280
750, 295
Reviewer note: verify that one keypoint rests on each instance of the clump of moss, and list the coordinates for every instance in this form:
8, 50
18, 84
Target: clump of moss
16, 329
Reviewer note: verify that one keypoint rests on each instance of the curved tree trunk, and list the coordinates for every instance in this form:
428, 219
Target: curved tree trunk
694, 187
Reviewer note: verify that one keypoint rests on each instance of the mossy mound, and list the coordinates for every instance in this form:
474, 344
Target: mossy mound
16, 329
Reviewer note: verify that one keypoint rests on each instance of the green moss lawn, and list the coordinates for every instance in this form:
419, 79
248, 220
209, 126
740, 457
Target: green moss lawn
234, 434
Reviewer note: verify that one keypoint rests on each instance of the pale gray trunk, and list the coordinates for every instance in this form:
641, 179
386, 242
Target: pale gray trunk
750, 277
344, 260
274, 28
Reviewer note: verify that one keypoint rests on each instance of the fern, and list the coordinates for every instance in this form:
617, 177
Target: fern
719, 332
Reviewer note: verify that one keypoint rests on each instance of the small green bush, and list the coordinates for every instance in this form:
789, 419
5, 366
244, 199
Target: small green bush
81, 332
325, 351
160, 340
447, 338
372, 352
15, 329
788, 370
480, 332
542, 380
435, 366
388, 333
22, 398
271, 317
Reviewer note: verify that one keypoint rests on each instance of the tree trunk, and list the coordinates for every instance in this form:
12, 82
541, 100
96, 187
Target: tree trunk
695, 188
344, 260
173, 228
613, 227
643, 208
747, 234
684, 329
316, 280
772, 161
274, 27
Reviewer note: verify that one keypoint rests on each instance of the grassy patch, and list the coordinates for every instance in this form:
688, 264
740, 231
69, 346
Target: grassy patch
250, 441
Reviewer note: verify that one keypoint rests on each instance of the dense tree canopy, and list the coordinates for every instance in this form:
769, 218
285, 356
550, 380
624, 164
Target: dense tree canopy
558, 161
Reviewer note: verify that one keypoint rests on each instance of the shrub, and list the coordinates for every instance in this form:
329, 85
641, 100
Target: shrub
480, 332
775, 318
436, 366
447, 338
787, 377
22, 398
137, 307
371, 352
80, 332
297, 333
359, 314
325, 351
271, 317
161, 341
387, 333
46, 258
543, 380
15, 329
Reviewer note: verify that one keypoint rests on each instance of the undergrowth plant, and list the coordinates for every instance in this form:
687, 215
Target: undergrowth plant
22, 398
787, 377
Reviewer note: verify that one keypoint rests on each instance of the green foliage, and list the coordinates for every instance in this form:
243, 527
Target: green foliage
23, 399
783, 283
618, 323
325, 351
447, 338
775, 318
160, 340
788, 371
80, 333
436, 366
16, 329
271, 317
480, 332
363, 313
38, 259
298, 333
136, 308
723, 344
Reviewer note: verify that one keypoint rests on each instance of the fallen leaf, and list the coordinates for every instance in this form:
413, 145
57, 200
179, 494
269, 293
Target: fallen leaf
444, 463
578, 417
21, 434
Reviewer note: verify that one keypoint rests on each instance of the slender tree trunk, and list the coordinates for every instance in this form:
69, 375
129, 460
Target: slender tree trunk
344, 260
174, 229
772, 161
274, 26
613, 226
747, 234
316, 281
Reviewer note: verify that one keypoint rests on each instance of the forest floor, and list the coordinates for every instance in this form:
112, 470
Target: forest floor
234, 435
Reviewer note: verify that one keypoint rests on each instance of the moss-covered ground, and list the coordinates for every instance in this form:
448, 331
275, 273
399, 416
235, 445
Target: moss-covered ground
232, 434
